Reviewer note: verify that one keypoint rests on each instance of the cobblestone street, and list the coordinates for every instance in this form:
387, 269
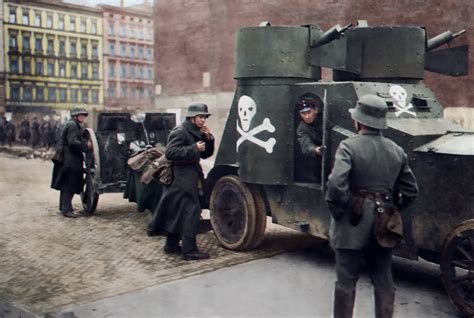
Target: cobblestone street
49, 262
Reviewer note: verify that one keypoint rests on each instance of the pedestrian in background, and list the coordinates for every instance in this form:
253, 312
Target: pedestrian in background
179, 209
370, 176
35, 133
68, 177
10, 133
3, 122
25, 133
46, 132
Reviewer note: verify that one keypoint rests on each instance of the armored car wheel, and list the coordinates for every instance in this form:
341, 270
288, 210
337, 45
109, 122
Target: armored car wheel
457, 266
89, 194
236, 214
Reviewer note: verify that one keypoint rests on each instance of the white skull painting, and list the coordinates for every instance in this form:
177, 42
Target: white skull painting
247, 110
399, 95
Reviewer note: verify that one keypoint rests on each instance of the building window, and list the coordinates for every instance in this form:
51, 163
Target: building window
62, 70
14, 65
111, 70
39, 94
72, 23
140, 34
123, 71
38, 19
50, 68
52, 94
150, 93
72, 48
94, 27
27, 93
123, 91
83, 26
140, 72
123, 50
95, 96
85, 95
73, 70
132, 71
26, 66
111, 28
122, 31
84, 50
142, 92
74, 95
15, 90
131, 32
26, 43
83, 70
61, 22
132, 51
39, 45
49, 21
26, 17
13, 42
50, 49
13, 14
111, 49
111, 92
62, 46
140, 52
95, 50
62, 94
95, 71
39, 67
150, 73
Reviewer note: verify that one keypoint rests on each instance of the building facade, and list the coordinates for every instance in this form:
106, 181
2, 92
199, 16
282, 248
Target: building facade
128, 57
53, 57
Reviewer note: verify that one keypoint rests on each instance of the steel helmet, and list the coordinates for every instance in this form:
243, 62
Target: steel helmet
370, 111
197, 109
78, 111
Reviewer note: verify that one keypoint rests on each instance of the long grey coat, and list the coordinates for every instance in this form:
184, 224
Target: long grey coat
369, 162
69, 177
179, 209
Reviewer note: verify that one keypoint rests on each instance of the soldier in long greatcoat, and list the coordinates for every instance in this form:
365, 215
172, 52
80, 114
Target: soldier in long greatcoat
179, 209
370, 175
68, 177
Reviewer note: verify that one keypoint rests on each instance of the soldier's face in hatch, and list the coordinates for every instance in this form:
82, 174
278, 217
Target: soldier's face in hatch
199, 120
310, 115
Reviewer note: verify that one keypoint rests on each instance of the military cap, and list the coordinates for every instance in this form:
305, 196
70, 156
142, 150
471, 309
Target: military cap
308, 101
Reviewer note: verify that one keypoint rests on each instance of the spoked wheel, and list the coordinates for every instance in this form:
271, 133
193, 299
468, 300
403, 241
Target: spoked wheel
238, 215
457, 266
89, 194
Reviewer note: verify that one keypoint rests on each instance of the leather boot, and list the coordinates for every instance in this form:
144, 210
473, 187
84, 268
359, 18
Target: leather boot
343, 302
384, 303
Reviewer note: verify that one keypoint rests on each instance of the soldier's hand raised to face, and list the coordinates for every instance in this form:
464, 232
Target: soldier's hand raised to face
201, 146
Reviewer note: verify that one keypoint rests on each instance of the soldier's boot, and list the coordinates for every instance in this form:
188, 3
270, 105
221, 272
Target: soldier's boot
384, 301
343, 302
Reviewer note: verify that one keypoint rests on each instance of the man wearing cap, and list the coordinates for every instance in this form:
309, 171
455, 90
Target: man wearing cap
367, 166
178, 212
68, 176
310, 135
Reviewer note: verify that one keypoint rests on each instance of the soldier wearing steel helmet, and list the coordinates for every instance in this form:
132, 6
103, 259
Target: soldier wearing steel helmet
178, 212
68, 176
370, 171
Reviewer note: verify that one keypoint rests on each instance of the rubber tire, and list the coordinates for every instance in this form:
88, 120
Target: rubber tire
251, 223
89, 196
446, 275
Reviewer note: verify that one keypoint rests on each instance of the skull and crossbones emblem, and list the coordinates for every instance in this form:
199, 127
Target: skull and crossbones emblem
399, 95
247, 109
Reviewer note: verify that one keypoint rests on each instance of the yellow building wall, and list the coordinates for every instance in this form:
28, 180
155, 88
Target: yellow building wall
57, 81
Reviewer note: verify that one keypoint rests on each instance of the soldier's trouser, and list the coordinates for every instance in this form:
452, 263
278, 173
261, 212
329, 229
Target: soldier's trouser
378, 261
189, 244
65, 201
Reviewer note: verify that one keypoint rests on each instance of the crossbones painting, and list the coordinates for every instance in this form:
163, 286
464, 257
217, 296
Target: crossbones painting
247, 109
399, 95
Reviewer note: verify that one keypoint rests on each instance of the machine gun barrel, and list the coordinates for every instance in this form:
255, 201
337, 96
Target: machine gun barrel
442, 38
330, 35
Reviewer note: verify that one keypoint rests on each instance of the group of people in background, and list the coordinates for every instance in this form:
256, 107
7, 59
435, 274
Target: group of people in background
45, 133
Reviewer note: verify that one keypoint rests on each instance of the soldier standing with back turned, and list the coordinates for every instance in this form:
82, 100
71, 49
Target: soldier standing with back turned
370, 175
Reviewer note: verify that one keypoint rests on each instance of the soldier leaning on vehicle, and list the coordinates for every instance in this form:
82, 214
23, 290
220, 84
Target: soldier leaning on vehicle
370, 176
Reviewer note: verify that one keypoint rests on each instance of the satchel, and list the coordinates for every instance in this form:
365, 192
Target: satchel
388, 227
58, 157
160, 169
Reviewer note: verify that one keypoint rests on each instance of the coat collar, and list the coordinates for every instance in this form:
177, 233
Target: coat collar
371, 132
189, 126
